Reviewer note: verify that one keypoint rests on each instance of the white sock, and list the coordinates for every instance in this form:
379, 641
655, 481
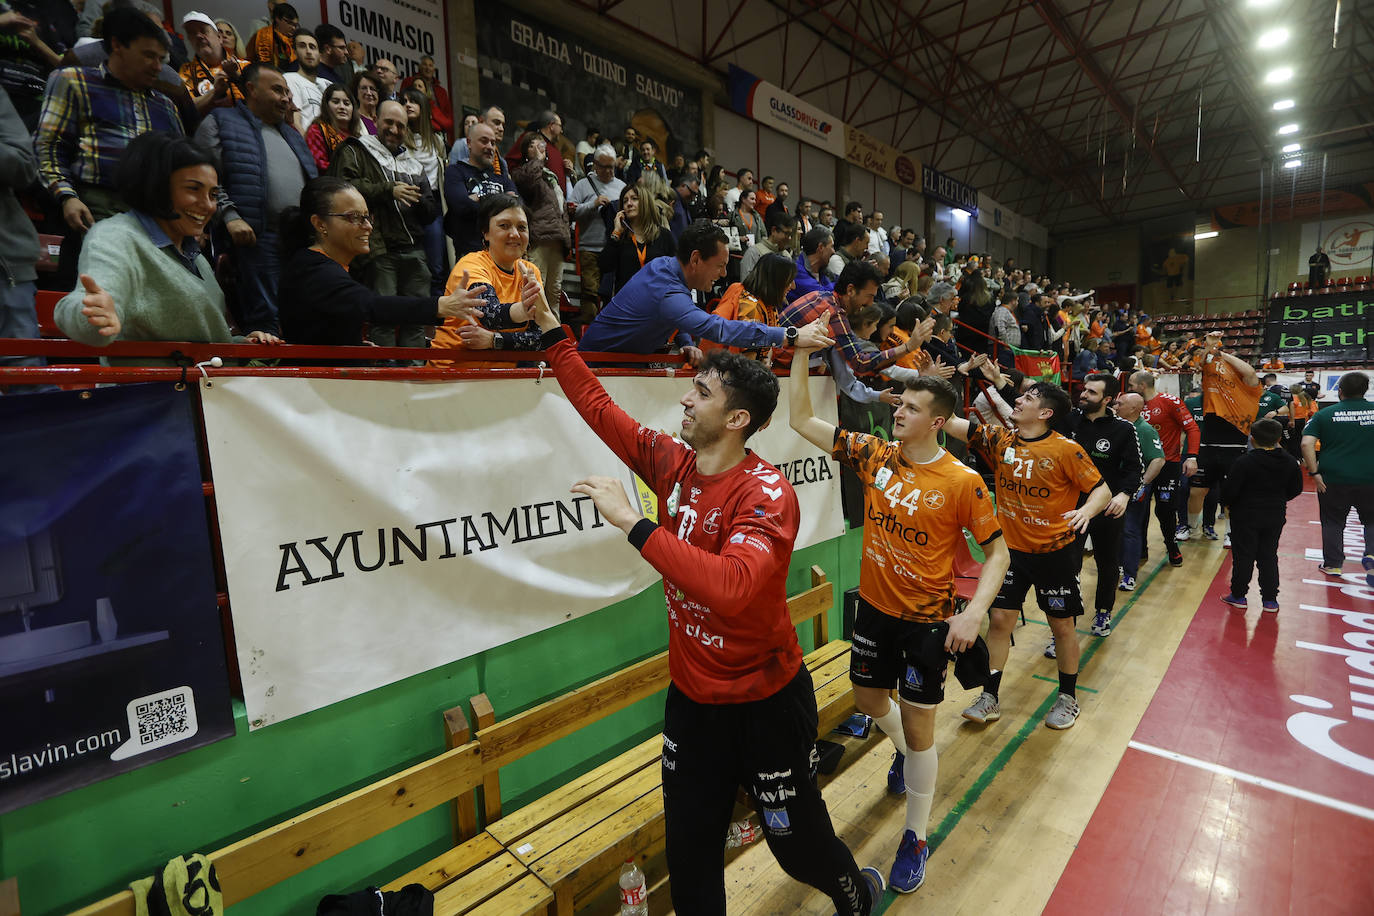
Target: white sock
921, 770
1194, 520
891, 724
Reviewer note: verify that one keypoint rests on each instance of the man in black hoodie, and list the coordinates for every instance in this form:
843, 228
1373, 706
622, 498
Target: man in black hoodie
1257, 490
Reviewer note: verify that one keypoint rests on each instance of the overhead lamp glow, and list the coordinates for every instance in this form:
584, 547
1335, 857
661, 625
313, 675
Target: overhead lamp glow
1292, 147
1288, 129
1205, 235
1278, 75
960, 214
1259, 4
1273, 38
1293, 164
1284, 104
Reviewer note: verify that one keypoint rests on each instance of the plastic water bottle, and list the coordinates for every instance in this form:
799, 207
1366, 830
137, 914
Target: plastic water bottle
634, 896
742, 833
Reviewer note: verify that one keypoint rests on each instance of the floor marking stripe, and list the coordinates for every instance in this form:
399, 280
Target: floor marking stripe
1323, 800
998, 763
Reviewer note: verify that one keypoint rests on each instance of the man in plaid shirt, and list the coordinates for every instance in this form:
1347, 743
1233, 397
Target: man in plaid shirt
89, 116
854, 290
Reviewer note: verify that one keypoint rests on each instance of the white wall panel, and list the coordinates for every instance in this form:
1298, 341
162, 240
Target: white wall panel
913, 211
778, 157
860, 189
736, 143
887, 197
818, 175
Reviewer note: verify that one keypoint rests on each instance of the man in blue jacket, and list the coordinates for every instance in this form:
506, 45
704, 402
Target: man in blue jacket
817, 245
656, 308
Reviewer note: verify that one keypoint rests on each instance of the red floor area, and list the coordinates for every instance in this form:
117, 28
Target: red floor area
1249, 785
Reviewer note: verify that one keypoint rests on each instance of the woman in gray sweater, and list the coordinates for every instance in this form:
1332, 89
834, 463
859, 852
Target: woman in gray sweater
142, 274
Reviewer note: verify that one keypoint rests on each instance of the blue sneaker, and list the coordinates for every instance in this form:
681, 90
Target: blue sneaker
874, 879
1209, 532
896, 776
909, 871
1232, 600
1368, 564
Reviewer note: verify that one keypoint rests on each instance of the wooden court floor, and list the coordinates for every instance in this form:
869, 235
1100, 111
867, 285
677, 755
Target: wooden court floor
1013, 797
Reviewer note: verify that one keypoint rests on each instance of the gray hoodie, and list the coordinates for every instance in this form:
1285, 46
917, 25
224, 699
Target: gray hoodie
18, 170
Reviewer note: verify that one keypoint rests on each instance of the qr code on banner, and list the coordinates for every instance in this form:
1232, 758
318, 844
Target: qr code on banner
161, 718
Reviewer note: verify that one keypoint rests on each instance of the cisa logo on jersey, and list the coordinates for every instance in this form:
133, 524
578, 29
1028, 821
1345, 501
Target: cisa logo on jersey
1047, 464
933, 499
712, 523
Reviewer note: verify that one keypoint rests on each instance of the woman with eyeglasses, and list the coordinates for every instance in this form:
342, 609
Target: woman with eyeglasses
318, 301
367, 91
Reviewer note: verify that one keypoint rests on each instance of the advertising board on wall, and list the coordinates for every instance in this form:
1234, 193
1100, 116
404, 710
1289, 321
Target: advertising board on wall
1348, 241
403, 30
1009, 224
870, 153
408, 525
111, 650
527, 66
770, 105
1336, 327
948, 191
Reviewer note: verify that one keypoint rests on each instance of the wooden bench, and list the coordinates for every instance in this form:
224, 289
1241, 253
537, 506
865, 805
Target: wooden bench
575, 838
477, 877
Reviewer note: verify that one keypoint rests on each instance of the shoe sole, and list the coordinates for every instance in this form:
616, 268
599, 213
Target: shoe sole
1236, 605
1059, 728
1106, 632
992, 717
903, 890
1270, 610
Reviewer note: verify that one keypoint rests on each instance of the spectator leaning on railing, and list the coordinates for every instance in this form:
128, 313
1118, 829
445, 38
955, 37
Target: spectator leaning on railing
142, 274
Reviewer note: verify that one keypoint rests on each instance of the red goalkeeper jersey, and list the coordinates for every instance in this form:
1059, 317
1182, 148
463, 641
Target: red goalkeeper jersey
723, 549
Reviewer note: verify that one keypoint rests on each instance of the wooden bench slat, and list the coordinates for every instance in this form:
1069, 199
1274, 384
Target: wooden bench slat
480, 885
527, 897
595, 852
538, 727
826, 654
289, 848
805, 605
451, 864
589, 815
552, 806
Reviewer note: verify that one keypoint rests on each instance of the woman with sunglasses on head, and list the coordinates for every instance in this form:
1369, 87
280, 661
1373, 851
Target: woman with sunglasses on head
367, 94
318, 301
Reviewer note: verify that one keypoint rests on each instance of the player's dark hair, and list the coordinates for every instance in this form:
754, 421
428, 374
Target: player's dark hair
488, 207
911, 310
1053, 397
1110, 386
1266, 433
942, 396
703, 237
857, 274
749, 386
126, 25
1353, 385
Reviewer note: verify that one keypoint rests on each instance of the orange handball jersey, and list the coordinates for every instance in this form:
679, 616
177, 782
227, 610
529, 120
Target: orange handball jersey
1226, 395
1038, 480
914, 521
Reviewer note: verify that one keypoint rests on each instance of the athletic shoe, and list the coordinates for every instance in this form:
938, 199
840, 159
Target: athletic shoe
1102, 624
909, 870
1182, 533
1175, 556
1127, 583
984, 709
1271, 606
896, 775
1329, 570
1050, 651
1227, 543
1064, 713
1209, 532
1368, 564
1232, 600
874, 879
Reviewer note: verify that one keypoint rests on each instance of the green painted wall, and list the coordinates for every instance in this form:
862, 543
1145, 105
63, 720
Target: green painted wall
71, 850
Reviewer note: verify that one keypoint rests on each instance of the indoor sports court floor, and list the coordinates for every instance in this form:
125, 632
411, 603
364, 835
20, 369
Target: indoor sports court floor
1223, 761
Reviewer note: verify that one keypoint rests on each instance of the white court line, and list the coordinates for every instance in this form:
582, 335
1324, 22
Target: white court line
1284, 788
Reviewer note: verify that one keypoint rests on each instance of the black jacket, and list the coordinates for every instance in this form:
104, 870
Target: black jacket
1260, 484
1112, 445
319, 303
461, 181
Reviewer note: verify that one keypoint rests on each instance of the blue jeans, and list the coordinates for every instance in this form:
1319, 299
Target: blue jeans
257, 267
1133, 536
436, 255
18, 319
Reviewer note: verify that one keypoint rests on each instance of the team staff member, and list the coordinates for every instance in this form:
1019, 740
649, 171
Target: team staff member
1040, 476
1112, 445
1346, 431
1230, 404
918, 499
741, 709
1129, 407
1180, 437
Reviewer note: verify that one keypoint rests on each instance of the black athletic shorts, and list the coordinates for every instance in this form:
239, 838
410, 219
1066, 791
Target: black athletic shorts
1222, 444
1054, 576
908, 653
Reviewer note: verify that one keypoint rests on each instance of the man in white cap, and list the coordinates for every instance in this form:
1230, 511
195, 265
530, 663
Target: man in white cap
210, 73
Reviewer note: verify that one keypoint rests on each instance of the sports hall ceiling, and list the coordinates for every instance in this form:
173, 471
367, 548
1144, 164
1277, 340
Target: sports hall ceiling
1076, 113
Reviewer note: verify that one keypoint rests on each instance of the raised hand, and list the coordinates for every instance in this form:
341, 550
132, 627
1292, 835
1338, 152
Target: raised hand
610, 499
890, 397
532, 294
939, 370
464, 304
816, 335
99, 308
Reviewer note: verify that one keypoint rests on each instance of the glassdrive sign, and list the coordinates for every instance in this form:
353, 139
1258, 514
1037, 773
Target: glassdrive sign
1333, 327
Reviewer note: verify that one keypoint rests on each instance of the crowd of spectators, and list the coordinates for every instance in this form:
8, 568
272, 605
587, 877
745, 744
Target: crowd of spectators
271, 118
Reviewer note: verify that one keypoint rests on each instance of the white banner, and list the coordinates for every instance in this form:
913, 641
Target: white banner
374, 530
1009, 223
1348, 240
403, 30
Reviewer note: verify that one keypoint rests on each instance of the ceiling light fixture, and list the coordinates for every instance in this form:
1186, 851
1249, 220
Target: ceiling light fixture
1288, 129
1278, 75
1292, 147
1197, 237
1273, 38
1259, 4
1293, 164
961, 214
1284, 104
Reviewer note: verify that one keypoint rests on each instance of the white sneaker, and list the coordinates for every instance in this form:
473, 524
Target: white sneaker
984, 709
1227, 542
1064, 713
1183, 533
